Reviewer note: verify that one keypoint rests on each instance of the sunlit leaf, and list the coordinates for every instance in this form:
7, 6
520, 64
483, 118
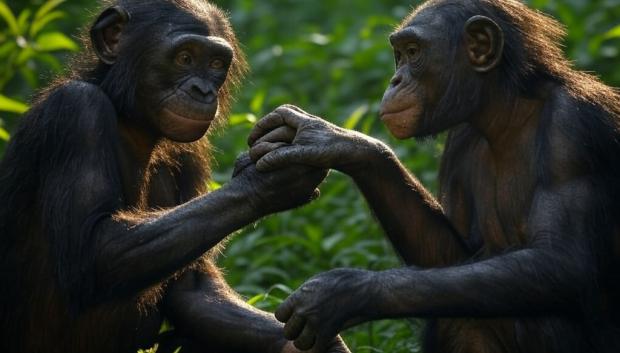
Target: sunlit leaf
238, 119
47, 7
355, 117
22, 20
613, 33
10, 105
9, 18
4, 135
54, 41
40, 23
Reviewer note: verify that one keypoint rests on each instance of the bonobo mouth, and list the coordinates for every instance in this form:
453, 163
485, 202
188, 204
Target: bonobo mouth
390, 114
182, 106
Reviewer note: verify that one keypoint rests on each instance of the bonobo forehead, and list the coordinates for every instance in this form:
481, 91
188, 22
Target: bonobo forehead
425, 26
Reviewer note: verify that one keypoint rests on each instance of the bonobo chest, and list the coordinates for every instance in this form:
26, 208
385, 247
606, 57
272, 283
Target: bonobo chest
488, 198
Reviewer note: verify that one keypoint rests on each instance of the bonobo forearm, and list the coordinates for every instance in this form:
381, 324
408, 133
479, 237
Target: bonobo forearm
530, 281
174, 238
412, 219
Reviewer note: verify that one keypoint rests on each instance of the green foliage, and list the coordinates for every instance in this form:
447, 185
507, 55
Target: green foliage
331, 58
27, 47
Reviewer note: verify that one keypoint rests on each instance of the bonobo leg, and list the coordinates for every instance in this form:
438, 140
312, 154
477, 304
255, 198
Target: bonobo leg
207, 313
209, 317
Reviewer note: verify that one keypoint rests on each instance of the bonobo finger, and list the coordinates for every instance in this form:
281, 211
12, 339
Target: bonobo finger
280, 157
269, 122
306, 339
260, 149
292, 115
242, 162
294, 326
285, 310
280, 134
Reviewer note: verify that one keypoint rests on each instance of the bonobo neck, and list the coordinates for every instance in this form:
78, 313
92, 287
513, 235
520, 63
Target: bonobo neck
138, 143
504, 120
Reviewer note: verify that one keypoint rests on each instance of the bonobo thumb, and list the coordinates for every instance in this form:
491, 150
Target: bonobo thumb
280, 158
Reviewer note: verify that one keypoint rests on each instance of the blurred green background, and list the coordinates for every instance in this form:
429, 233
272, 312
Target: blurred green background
329, 57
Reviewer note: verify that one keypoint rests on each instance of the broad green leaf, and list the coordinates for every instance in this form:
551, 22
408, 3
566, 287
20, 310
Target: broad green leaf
355, 117
238, 119
22, 20
47, 7
613, 33
53, 41
10, 105
4, 135
9, 18
7, 48
178, 350
24, 56
40, 23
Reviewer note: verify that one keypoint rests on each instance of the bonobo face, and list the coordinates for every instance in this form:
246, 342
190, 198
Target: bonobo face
174, 67
412, 91
183, 80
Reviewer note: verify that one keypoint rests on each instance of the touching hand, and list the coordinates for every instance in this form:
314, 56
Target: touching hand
289, 135
277, 190
325, 305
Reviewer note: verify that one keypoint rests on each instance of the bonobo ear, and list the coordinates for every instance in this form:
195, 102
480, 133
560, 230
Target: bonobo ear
484, 41
105, 34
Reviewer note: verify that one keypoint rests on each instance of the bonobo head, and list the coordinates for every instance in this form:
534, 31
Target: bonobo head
444, 52
167, 65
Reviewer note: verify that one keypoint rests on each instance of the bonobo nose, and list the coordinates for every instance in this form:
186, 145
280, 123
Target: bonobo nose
202, 91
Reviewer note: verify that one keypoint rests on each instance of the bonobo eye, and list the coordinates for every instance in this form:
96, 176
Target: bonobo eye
412, 50
216, 64
184, 58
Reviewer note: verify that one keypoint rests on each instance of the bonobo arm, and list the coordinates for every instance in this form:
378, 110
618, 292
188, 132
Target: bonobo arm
204, 308
551, 275
413, 220
82, 196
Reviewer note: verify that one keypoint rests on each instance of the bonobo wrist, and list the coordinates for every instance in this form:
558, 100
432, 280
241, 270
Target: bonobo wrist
365, 153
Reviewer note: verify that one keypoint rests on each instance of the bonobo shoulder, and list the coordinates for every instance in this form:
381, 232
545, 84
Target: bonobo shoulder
76, 106
578, 138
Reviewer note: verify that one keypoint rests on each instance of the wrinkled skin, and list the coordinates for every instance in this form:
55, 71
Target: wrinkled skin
519, 252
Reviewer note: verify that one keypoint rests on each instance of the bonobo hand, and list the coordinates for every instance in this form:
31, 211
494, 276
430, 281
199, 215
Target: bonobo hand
325, 305
279, 190
290, 135
335, 346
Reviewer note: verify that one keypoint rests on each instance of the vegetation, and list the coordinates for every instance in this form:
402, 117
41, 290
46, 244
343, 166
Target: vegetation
332, 59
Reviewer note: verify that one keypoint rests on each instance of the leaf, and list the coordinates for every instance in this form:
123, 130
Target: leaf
54, 41
47, 7
355, 117
39, 24
612, 33
22, 20
11, 21
4, 135
9, 105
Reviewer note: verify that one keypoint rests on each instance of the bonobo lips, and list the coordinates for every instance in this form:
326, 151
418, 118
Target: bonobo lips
184, 107
391, 114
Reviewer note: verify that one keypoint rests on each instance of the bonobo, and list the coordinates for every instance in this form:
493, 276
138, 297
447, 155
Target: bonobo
104, 225
521, 252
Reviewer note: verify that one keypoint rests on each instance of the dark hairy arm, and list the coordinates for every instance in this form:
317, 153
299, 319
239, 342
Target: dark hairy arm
412, 219
82, 197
